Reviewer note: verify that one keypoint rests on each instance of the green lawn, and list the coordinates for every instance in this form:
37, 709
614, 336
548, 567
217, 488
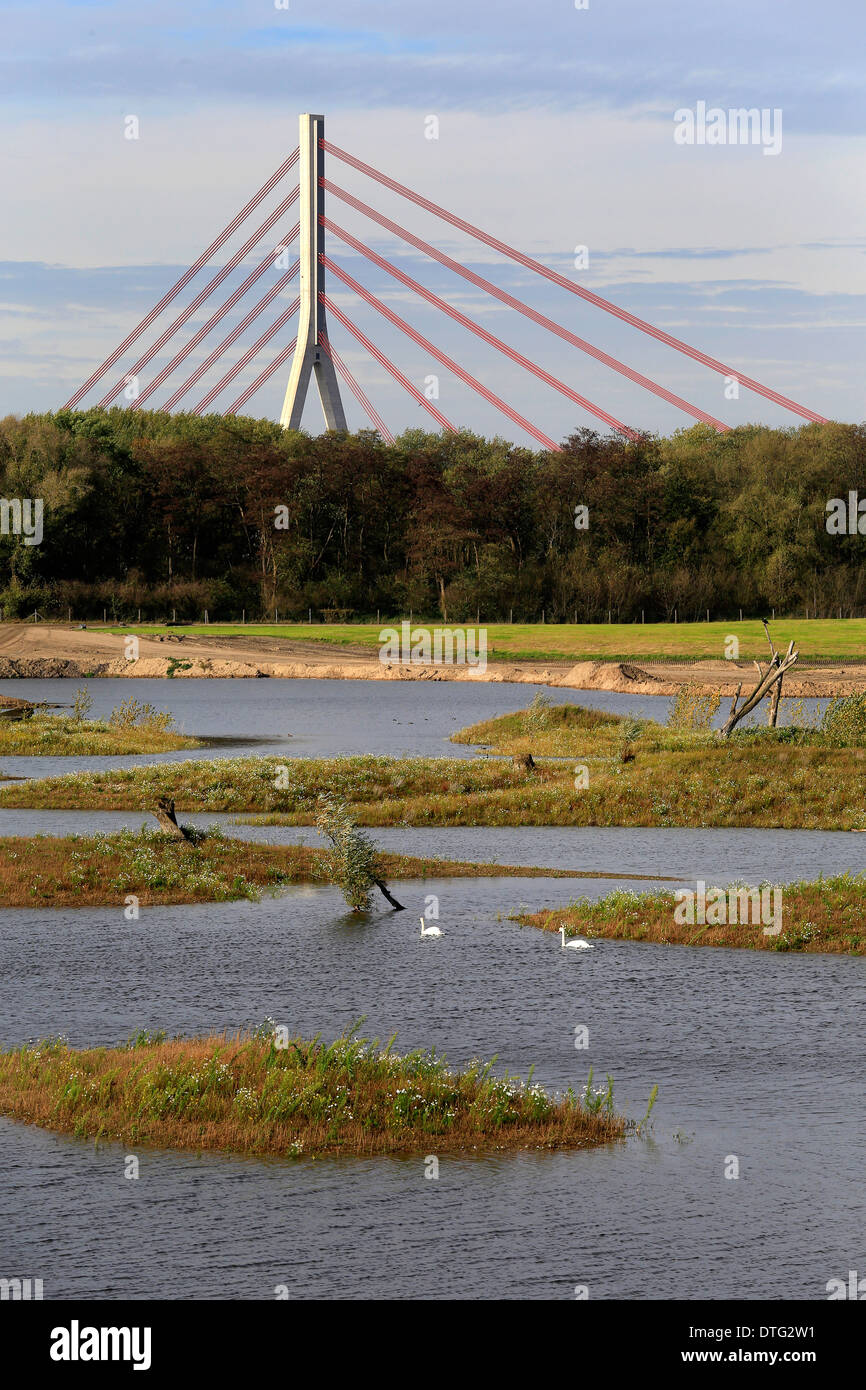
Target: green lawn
822, 637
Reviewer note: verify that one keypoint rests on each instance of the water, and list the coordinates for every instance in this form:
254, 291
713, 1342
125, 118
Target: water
311, 718
752, 1053
721, 856
755, 1054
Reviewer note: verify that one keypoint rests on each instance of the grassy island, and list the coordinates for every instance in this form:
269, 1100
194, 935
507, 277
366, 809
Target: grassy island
759, 780
100, 870
131, 728
249, 1094
824, 916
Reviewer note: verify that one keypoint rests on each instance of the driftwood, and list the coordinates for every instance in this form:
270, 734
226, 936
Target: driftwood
769, 684
168, 820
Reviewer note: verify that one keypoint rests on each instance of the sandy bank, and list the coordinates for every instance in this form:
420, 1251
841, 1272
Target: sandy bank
40, 651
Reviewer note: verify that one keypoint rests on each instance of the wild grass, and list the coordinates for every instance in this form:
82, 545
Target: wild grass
827, 915
132, 728
755, 780
99, 870
246, 1094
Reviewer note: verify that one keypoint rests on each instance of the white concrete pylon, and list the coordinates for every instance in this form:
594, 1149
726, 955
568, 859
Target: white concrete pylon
310, 356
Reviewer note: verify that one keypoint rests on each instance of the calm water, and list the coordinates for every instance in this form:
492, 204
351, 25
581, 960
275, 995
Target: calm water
311, 718
713, 855
755, 1056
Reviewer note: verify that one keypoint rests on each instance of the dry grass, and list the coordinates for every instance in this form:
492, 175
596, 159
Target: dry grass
78, 871
825, 916
246, 1095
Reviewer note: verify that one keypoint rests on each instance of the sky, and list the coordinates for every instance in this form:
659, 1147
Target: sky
556, 129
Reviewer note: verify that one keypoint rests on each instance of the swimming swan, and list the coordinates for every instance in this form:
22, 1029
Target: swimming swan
429, 931
578, 944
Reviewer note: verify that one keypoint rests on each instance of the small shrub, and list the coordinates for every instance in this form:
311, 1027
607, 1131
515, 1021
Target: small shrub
81, 704
538, 714
844, 721
693, 709
129, 714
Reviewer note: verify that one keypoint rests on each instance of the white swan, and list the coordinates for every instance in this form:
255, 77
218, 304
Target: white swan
578, 944
429, 931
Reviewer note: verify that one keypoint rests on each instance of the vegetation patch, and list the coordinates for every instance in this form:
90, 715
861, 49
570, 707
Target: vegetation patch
824, 916
83, 871
130, 728
253, 1095
766, 779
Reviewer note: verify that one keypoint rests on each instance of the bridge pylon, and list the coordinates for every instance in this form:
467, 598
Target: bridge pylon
310, 355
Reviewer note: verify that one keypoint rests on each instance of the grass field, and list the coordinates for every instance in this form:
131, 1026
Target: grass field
247, 1095
816, 638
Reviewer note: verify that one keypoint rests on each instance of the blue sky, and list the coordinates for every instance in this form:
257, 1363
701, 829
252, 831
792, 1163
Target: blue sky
555, 130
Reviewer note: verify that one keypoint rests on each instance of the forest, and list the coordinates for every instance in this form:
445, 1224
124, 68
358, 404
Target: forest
180, 514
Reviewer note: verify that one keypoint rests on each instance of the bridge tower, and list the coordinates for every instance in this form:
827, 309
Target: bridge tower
310, 356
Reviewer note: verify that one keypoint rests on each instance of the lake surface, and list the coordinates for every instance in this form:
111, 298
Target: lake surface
755, 1055
312, 718
722, 856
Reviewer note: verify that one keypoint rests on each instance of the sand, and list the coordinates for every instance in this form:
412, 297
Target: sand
40, 650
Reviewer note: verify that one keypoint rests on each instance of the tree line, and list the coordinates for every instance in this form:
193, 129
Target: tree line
158, 513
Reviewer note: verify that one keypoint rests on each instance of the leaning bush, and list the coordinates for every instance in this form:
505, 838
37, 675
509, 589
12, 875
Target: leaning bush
352, 860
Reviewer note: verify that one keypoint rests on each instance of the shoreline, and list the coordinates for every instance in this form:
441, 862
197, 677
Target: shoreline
40, 652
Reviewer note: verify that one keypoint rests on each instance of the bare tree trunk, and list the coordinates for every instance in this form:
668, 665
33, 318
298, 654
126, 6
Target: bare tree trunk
769, 683
393, 901
168, 820
774, 704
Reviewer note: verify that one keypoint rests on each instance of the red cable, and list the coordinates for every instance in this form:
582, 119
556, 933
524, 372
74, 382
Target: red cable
441, 356
185, 278
384, 362
262, 378
357, 390
525, 309
480, 332
212, 322
560, 280
248, 356
281, 284
212, 284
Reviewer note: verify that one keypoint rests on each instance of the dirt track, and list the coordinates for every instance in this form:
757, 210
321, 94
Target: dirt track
37, 651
